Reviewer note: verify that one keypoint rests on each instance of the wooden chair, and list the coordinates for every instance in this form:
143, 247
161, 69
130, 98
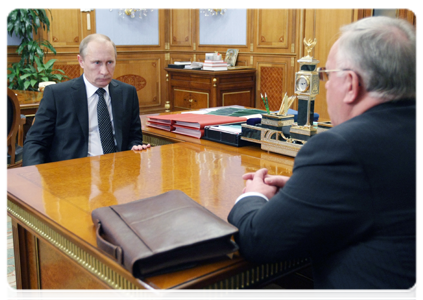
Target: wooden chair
21, 130
14, 121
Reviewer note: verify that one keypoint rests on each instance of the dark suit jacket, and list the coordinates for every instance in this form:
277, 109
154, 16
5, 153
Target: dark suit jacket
60, 130
350, 205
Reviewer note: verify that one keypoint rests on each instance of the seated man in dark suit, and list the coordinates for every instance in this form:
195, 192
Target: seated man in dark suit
350, 204
90, 115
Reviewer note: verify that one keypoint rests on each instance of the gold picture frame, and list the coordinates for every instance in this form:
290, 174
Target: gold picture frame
231, 57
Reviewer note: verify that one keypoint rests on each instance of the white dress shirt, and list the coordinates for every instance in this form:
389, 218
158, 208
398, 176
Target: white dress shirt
251, 194
94, 142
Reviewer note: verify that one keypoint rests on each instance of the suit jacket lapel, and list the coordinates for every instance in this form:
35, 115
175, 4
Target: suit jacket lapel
117, 111
80, 104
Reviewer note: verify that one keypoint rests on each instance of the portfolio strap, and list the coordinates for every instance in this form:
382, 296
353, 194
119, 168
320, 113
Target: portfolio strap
109, 248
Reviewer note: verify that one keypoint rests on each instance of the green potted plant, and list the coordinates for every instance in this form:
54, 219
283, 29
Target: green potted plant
30, 70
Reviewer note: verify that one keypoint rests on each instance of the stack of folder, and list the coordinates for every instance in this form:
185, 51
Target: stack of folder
215, 65
190, 124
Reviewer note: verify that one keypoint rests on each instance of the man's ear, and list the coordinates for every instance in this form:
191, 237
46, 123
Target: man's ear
81, 61
352, 81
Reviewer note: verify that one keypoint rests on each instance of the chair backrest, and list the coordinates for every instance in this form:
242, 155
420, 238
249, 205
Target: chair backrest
13, 120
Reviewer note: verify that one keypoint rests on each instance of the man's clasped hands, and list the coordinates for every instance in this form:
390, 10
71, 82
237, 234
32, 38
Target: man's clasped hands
261, 182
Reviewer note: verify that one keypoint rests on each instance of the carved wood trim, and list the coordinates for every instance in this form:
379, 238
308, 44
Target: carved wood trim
137, 81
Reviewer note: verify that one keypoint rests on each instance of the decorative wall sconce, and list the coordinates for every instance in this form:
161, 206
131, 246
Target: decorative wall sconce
132, 12
212, 11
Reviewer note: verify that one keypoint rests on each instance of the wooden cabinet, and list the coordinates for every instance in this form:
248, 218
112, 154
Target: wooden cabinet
186, 99
195, 89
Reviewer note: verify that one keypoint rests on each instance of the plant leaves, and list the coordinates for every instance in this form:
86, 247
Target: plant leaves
60, 76
30, 69
10, 77
25, 76
37, 23
30, 46
38, 61
10, 28
28, 27
50, 63
44, 18
12, 16
26, 85
17, 27
48, 45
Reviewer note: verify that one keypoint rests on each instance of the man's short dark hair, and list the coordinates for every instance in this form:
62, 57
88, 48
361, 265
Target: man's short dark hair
92, 37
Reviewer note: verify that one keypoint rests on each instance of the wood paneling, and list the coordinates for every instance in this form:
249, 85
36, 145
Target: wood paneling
244, 60
72, 70
65, 27
275, 30
144, 74
364, 13
184, 57
88, 23
181, 28
275, 78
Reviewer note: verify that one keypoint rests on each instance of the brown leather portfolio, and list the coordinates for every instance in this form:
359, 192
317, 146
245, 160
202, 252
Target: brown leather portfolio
162, 233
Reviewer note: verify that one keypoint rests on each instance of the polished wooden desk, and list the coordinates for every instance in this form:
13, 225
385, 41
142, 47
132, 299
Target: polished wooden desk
54, 237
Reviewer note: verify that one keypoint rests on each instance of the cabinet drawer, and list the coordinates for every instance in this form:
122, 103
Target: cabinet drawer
190, 99
243, 98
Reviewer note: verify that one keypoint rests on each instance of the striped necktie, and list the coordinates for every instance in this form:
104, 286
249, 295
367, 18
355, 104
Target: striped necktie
104, 124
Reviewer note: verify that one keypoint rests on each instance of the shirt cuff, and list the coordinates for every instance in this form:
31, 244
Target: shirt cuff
251, 194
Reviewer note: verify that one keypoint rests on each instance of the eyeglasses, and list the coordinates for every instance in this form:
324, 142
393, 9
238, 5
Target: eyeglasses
323, 73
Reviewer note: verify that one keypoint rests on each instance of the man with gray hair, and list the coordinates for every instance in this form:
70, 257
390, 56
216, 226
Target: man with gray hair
350, 204
89, 115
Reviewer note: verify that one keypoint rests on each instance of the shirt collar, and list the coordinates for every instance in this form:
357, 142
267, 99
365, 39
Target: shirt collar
91, 89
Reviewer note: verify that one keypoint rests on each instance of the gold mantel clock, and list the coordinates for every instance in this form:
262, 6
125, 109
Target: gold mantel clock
306, 88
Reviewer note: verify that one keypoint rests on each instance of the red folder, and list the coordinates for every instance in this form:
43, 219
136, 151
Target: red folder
200, 121
160, 125
196, 120
194, 132
164, 119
